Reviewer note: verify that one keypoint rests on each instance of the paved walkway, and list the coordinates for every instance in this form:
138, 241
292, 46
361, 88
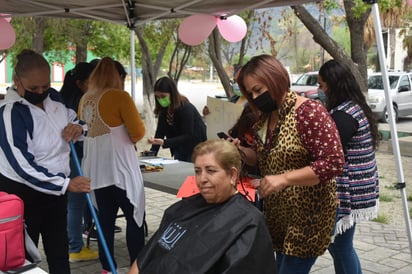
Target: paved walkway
381, 248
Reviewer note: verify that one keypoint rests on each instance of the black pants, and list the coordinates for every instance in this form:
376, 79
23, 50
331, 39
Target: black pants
44, 215
109, 199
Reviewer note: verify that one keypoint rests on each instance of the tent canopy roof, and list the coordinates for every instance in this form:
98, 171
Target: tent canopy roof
133, 12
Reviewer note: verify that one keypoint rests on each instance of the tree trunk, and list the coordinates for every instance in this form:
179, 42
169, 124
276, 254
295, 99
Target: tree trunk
150, 71
392, 47
356, 26
358, 61
148, 82
179, 60
81, 44
81, 52
38, 34
215, 56
245, 41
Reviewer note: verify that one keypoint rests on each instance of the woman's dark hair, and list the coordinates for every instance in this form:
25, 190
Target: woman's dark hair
244, 123
165, 84
70, 91
27, 60
120, 68
82, 71
342, 86
94, 62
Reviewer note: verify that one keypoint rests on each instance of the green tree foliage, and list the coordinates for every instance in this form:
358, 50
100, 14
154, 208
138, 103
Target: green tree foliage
342, 37
108, 39
62, 36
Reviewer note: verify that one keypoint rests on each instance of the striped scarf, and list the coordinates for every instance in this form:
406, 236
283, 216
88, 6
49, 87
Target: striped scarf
358, 186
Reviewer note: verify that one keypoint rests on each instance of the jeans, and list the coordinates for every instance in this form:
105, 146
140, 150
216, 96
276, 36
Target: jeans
75, 206
109, 199
76, 203
293, 265
345, 259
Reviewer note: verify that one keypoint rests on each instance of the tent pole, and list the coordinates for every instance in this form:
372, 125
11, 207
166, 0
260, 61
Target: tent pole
132, 64
401, 185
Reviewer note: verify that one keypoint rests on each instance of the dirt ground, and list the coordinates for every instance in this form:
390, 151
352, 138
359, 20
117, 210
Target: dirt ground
391, 205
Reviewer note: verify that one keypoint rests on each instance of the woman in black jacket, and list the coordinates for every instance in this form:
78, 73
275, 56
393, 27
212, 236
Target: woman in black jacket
215, 231
180, 126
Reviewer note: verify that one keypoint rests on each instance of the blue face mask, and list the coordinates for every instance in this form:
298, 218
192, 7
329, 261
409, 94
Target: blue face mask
321, 95
236, 90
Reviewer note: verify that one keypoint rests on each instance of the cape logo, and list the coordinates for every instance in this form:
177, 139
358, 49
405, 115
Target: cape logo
171, 236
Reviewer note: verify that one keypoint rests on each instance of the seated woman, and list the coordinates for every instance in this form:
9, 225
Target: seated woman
216, 231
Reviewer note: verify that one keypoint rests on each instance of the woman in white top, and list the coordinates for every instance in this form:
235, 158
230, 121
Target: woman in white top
110, 158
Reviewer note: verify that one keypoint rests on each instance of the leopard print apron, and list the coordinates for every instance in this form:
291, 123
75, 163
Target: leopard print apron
300, 218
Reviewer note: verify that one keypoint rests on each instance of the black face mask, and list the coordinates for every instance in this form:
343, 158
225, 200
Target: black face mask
265, 103
35, 98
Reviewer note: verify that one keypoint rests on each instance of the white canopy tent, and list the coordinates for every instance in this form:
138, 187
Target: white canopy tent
132, 13
137, 11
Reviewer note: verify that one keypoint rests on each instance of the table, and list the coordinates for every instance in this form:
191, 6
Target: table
170, 179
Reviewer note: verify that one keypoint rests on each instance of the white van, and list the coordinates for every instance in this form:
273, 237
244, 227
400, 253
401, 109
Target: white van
400, 92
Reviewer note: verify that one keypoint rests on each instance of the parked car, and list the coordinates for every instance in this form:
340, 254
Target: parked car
307, 86
400, 92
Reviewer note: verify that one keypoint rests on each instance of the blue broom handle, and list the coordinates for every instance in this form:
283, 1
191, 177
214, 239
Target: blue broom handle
93, 211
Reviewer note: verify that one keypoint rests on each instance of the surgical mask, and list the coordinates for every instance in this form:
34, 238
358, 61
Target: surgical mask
35, 98
321, 95
265, 103
236, 89
164, 102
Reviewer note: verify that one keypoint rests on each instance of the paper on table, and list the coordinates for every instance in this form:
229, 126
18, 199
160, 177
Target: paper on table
159, 161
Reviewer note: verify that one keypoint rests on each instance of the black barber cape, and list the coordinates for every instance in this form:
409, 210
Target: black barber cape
197, 237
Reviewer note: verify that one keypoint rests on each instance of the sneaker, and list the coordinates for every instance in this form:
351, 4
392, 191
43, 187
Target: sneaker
91, 234
85, 254
117, 229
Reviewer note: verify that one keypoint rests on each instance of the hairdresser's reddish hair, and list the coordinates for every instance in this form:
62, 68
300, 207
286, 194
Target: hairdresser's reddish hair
270, 72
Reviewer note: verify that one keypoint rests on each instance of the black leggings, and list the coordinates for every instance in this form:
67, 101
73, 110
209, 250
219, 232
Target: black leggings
44, 215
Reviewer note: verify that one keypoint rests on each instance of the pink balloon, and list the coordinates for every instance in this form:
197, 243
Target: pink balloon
7, 34
233, 29
4, 17
196, 28
410, 2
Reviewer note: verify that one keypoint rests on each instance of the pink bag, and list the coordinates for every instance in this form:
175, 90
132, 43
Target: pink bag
12, 253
